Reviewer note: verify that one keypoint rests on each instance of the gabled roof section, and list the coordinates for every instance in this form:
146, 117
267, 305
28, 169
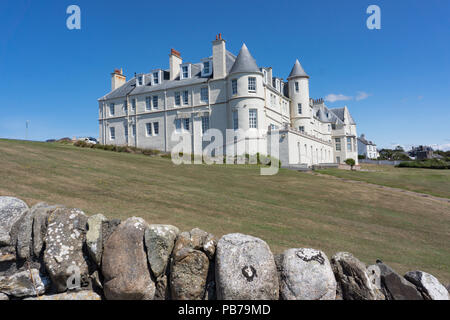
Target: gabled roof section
324, 114
297, 71
123, 90
244, 62
342, 113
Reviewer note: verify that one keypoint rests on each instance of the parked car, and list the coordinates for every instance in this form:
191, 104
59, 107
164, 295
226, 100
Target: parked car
91, 140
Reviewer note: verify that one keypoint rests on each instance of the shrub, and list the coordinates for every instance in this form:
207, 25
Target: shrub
351, 162
426, 164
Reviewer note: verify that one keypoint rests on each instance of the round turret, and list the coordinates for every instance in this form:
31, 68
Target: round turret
301, 111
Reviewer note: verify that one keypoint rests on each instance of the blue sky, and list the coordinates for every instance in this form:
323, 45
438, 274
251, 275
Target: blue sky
395, 81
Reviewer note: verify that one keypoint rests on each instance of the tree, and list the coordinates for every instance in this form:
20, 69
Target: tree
351, 162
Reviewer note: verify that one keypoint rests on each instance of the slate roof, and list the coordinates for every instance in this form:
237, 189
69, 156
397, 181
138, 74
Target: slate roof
297, 71
130, 86
340, 113
324, 114
244, 62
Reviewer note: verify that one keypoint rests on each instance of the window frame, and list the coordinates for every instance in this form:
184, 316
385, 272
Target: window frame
252, 84
112, 109
234, 87
337, 142
202, 92
235, 120
112, 133
185, 100
297, 86
177, 96
253, 118
148, 126
207, 71
148, 103
205, 124
189, 71
186, 124
155, 99
155, 128
299, 108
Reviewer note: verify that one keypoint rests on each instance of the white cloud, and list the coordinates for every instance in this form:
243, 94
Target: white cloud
337, 97
361, 95
443, 147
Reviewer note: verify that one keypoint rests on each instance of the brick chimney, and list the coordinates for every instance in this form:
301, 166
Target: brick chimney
175, 61
117, 79
219, 60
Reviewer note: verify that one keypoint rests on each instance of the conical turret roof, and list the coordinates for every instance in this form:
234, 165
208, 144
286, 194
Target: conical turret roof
244, 62
297, 71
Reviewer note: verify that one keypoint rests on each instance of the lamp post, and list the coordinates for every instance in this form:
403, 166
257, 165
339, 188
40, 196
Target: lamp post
26, 129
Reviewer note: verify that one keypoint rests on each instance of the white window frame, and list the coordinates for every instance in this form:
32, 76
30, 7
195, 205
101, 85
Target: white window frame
337, 142
148, 103
112, 107
253, 118
234, 87
299, 108
140, 80
185, 98
155, 105
235, 120
133, 104
159, 72
186, 124
148, 132
133, 130
349, 143
265, 75
189, 70
297, 86
251, 84
156, 128
205, 124
204, 94
207, 72
112, 133
177, 96
155, 80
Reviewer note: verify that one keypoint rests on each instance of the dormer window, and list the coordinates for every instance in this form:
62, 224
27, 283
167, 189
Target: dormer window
140, 80
185, 71
265, 75
156, 77
277, 84
206, 68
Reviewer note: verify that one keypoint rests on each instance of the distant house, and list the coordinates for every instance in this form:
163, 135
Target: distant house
421, 153
367, 148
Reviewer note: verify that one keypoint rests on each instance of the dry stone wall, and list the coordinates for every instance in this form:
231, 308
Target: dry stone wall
50, 252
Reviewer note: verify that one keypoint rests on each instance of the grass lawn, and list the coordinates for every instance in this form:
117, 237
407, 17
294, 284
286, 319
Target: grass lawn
287, 210
430, 181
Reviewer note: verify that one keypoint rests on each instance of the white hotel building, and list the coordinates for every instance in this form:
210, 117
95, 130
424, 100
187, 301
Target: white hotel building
223, 91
